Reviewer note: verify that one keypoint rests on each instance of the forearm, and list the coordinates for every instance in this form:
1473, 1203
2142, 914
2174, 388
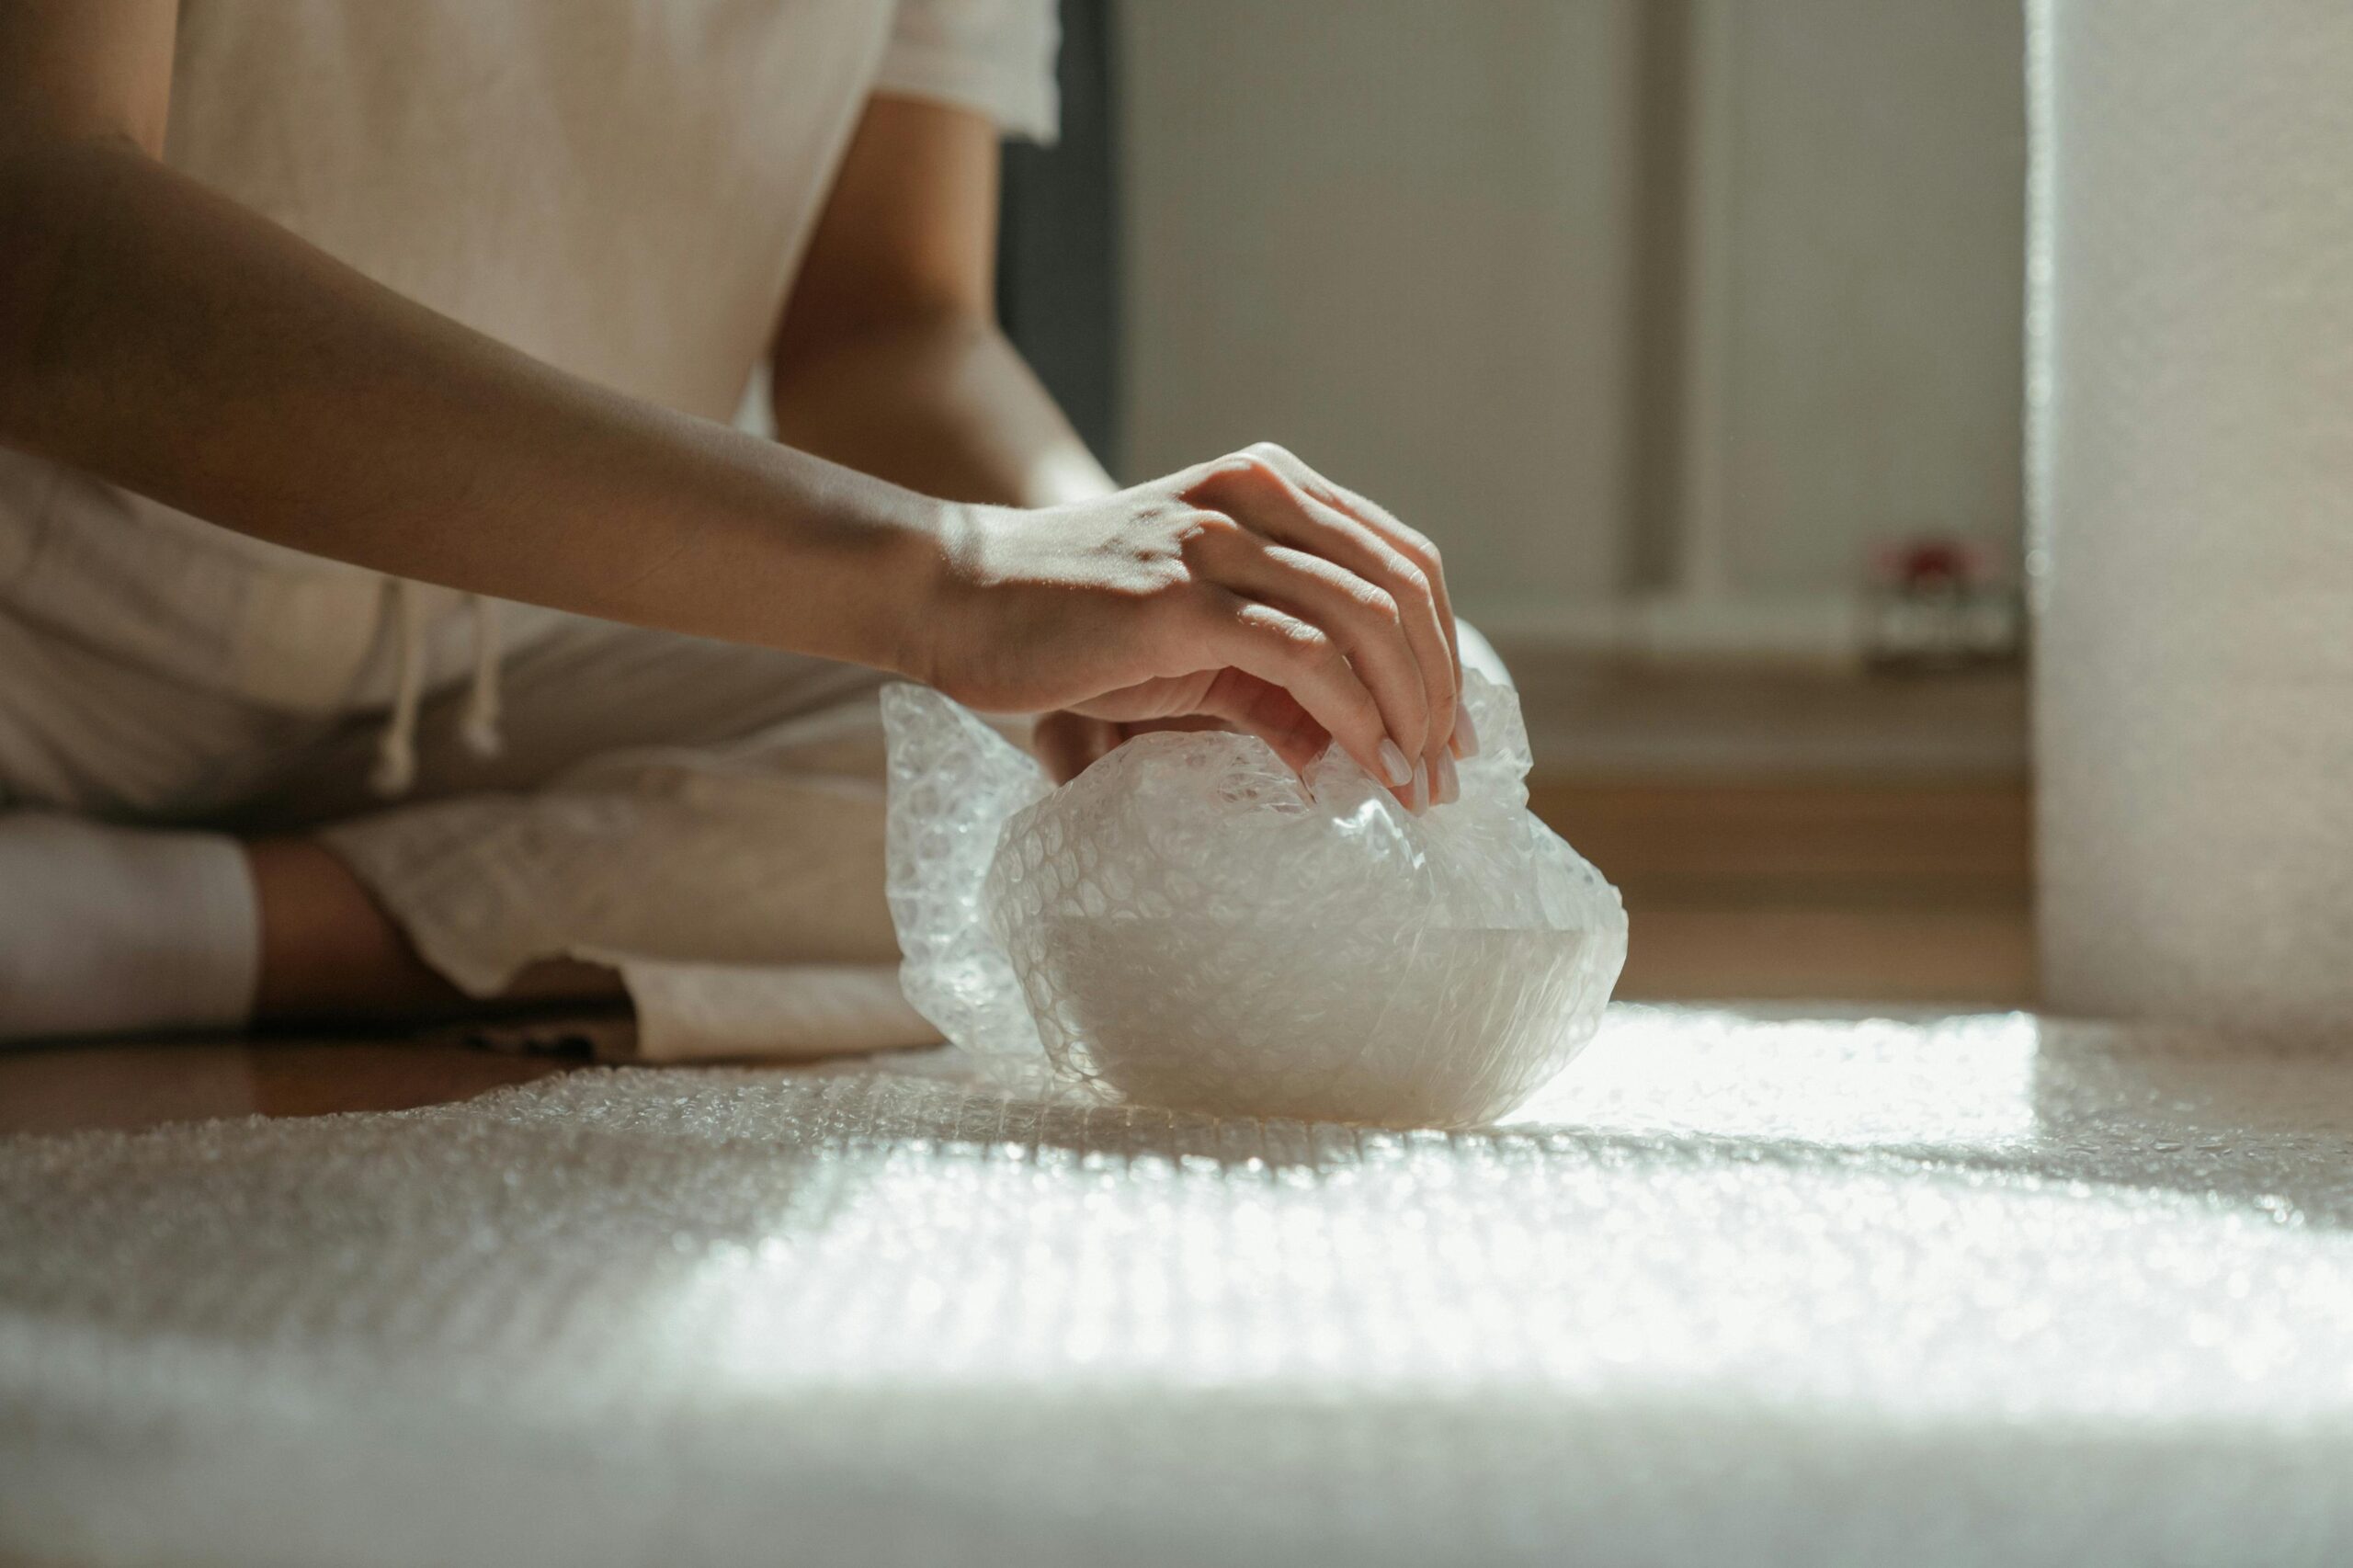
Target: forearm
161, 336
940, 402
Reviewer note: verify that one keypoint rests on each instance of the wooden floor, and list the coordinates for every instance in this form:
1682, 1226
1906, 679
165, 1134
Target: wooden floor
1889, 890
134, 1085
1776, 836
1787, 834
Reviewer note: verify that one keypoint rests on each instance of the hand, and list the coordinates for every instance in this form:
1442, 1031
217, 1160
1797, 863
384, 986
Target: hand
1250, 592
1068, 744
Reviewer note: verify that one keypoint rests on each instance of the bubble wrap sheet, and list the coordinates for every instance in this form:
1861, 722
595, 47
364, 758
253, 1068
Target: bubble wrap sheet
2191, 489
1976, 1290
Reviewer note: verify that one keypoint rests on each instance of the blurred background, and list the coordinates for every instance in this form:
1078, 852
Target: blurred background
1691, 330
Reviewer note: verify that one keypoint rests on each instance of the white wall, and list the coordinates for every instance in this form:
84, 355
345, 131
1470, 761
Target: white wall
1874, 371
1389, 234
1399, 235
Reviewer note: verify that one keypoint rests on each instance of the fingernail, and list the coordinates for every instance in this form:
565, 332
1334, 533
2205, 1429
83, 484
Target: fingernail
1449, 783
1466, 733
1421, 801
1393, 763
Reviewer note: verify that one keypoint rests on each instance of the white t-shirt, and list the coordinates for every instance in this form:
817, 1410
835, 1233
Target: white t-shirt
621, 188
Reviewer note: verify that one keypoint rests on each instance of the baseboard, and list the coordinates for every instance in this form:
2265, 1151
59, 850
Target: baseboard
1826, 630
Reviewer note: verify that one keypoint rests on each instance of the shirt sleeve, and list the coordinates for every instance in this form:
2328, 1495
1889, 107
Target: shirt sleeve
993, 56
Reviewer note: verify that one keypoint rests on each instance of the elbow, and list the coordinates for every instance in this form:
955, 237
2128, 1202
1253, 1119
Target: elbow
819, 338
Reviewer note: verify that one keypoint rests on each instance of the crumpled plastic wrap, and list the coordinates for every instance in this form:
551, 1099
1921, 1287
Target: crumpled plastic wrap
1188, 924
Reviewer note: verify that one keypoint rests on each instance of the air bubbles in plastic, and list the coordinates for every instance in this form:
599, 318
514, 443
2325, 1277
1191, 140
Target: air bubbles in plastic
1188, 924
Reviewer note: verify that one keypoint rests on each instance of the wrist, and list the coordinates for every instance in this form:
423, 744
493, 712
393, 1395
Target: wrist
924, 579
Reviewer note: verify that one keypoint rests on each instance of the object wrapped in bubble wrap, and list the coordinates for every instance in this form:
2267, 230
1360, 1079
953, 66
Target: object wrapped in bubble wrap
1190, 924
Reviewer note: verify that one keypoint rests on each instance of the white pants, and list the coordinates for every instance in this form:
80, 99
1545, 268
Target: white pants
705, 817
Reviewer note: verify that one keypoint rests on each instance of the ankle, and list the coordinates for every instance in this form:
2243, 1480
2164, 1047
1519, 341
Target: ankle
328, 948
329, 952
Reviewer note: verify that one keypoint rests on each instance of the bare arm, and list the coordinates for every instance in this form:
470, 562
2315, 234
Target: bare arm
889, 358
161, 337
168, 339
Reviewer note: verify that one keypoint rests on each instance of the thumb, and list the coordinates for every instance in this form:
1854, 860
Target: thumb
1262, 708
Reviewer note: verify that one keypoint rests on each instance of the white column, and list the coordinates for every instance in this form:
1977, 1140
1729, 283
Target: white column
2190, 400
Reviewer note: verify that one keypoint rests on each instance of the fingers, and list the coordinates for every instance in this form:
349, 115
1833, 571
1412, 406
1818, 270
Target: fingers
1243, 702
1409, 543
1262, 489
1306, 660
1361, 618
1257, 708
1067, 743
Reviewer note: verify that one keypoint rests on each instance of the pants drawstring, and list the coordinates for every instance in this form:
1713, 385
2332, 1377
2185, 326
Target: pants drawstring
395, 770
480, 727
